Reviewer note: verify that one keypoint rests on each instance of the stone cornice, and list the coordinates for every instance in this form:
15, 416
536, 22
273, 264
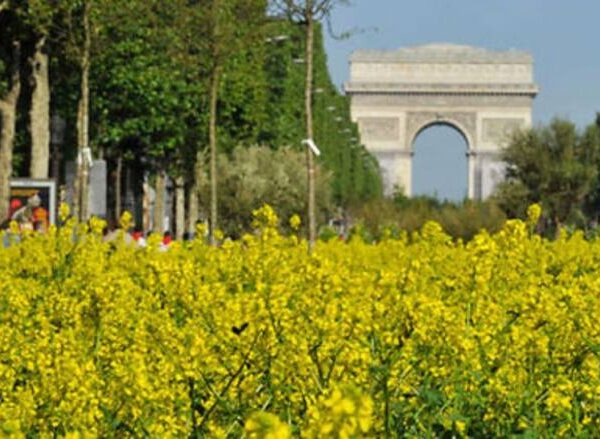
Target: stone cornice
492, 153
441, 54
439, 89
387, 153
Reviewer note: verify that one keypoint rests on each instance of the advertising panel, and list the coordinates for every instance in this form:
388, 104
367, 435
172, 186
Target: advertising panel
33, 203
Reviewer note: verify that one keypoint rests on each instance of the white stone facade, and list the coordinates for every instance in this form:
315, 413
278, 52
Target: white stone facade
483, 94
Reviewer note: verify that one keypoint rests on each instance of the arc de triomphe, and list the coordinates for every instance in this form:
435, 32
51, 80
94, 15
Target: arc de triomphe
483, 94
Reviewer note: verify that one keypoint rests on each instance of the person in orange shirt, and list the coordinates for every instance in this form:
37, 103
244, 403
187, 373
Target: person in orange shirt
40, 219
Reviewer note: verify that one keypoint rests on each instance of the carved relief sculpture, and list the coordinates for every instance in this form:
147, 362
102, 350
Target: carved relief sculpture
379, 128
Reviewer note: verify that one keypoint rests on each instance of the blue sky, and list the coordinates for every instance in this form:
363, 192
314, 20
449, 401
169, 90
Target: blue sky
563, 37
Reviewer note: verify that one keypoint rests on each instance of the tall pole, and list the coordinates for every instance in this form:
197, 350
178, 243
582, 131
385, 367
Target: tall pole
212, 123
212, 140
312, 223
8, 120
82, 180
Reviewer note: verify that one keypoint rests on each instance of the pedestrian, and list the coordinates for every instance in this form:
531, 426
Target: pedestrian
138, 237
166, 241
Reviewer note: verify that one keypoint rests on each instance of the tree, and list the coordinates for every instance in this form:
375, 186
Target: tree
35, 20
355, 173
83, 113
553, 165
306, 13
10, 89
211, 36
82, 22
144, 100
231, 26
39, 17
252, 176
592, 202
78, 23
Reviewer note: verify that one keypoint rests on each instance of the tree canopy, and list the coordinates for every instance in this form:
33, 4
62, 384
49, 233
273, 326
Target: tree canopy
150, 65
555, 165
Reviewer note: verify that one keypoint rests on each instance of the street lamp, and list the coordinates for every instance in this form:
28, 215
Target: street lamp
277, 38
310, 143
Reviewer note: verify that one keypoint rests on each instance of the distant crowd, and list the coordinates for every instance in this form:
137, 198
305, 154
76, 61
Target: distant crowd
32, 217
134, 237
137, 237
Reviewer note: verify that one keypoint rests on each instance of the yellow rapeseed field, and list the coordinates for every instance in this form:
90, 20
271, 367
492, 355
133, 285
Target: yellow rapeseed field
420, 336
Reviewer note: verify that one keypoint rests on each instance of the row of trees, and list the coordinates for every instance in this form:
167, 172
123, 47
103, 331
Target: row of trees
183, 90
165, 87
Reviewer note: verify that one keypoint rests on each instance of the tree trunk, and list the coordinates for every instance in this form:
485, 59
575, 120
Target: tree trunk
8, 120
194, 195
212, 140
82, 181
118, 177
55, 162
179, 207
85, 190
146, 223
212, 121
192, 213
39, 113
310, 164
558, 227
159, 202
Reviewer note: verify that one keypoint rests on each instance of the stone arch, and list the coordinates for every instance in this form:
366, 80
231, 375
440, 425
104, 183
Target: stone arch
463, 123
460, 126
483, 94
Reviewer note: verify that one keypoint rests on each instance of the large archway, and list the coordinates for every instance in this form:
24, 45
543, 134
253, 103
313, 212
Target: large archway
440, 167
484, 94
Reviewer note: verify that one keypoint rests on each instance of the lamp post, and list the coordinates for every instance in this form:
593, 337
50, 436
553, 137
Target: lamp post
312, 150
84, 163
277, 38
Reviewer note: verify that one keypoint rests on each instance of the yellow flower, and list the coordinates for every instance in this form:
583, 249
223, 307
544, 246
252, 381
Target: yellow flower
126, 220
14, 227
262, 425
201, 230
219, 235
63, 212
295, 222
534, 211
97, 225
265, 217
428, 333
344, 413
461, 427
